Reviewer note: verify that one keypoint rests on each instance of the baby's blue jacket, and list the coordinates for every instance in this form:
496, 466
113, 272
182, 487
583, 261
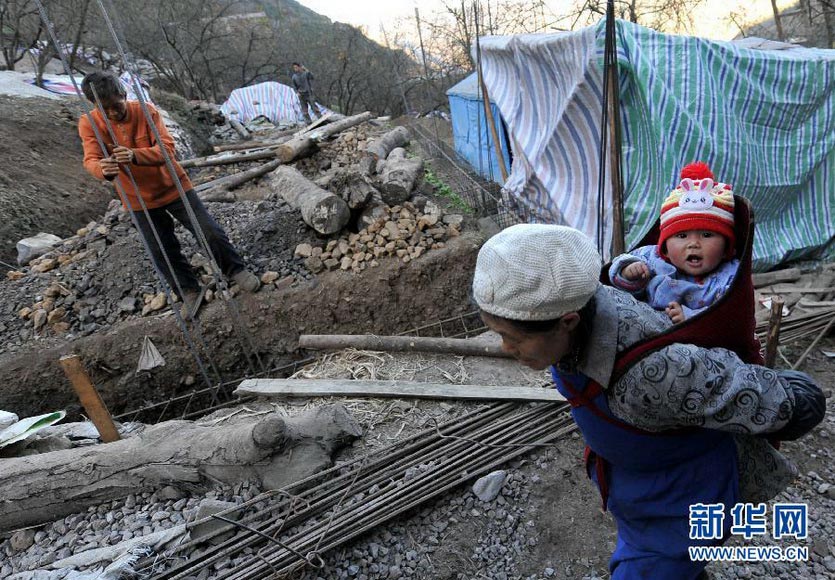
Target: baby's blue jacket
666, 284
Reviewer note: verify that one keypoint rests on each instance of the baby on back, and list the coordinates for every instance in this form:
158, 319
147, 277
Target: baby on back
693, 264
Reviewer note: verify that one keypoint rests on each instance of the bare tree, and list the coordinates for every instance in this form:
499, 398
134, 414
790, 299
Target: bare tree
20, 30
663, 15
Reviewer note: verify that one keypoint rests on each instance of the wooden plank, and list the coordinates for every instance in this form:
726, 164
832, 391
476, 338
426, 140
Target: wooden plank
397, 389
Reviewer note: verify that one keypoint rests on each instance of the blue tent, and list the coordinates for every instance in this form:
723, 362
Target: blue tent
470, 131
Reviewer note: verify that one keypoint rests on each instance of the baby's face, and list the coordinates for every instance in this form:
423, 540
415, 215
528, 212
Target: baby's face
696, 252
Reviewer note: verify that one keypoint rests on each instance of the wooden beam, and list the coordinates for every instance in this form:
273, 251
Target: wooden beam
457, 346
396, 389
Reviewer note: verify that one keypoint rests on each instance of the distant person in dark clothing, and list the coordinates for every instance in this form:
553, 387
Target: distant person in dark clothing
302, 82
136, 148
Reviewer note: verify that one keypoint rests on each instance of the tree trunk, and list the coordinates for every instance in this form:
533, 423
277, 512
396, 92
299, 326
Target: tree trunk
39, 488
354, 188
237, 126
380, 148
219, 190
322, 210
227, 158
295, 148
400, 176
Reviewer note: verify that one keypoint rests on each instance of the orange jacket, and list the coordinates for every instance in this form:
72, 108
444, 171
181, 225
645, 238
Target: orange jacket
148, 166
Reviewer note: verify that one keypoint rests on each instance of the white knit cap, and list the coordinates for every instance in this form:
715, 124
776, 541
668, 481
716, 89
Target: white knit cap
536, 272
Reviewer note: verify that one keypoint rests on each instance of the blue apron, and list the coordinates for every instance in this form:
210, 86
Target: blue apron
648, 481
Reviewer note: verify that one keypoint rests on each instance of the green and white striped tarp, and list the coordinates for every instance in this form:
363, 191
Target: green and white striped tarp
763, 119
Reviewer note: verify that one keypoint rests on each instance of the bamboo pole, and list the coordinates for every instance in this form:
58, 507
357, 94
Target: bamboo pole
89, 397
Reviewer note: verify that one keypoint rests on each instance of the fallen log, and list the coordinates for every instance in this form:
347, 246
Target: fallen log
380, 148
398, 389
320, 121
325, 212
331, 129
305, 144
241, 130
400, 176
39, 488
456, 346
354, 188
295, 148
265, 153
241, 146
219, 190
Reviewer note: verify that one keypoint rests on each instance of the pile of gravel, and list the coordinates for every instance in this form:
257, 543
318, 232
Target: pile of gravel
105, 276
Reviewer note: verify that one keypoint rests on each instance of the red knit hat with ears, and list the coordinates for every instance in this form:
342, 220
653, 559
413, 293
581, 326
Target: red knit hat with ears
699, 203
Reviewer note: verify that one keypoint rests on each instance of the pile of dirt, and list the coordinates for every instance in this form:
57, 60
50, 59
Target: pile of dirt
43, 187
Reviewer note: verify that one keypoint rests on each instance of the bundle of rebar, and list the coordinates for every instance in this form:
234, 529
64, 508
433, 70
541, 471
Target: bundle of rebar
306, 519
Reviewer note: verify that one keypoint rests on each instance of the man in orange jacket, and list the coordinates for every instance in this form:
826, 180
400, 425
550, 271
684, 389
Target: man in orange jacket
136, 148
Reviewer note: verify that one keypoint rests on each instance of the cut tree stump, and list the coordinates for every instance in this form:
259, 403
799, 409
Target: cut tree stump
325, 212
276, 450
380, 148
400, 176
397, 389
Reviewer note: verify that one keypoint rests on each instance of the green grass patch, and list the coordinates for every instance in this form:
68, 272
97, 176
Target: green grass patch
445, 191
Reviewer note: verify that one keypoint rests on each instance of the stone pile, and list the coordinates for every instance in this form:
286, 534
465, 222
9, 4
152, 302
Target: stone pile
346, 150
405, 232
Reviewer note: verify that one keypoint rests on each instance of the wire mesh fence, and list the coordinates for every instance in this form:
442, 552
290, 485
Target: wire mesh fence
484, 198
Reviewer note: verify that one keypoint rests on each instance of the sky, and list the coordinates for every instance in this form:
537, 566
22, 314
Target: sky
371, 13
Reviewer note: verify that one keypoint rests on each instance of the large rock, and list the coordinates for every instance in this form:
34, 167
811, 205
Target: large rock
30, 248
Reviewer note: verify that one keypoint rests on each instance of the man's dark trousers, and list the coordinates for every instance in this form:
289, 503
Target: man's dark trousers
227, 257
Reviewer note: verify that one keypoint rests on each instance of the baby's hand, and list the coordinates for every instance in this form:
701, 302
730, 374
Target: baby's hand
636, 271
675, 312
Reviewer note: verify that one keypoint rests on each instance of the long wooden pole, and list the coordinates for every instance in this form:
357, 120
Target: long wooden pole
613, 117
89, 397
458, 346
